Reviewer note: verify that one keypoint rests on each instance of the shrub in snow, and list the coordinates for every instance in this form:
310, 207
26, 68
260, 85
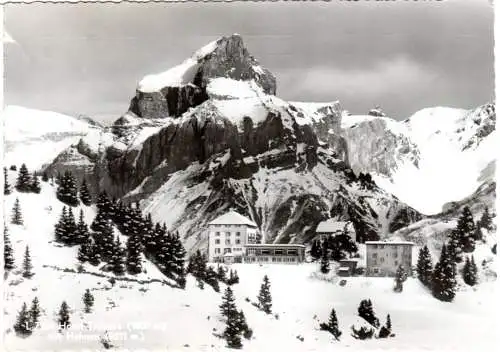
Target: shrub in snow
386, 330
13, 168
365, 311
362, 332
332, 326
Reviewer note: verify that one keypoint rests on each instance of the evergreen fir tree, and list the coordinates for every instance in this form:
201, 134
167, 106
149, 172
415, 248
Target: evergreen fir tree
388, 323
470, 272
69, 229
264, 297
385, 331
35, 185
221, 273
233, 278
365, 311
228, 306
401, 277
22, 326
494, 249
82, 233
325, 260
45, 177
17, 217
134, 249
424, 266
478, 232
23, 183
35, 312
316, 250
178, 255
8, 252
88, 301
117, 261
6, 185
332, 326
85, 197
486, 221
94, 255
444, 277
454, 247
27, 265
104, 204
232, 332
243, 325
465, 229
64, 316
211, 278
67, 191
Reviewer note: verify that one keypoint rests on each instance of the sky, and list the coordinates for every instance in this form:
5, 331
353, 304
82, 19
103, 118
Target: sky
402, 55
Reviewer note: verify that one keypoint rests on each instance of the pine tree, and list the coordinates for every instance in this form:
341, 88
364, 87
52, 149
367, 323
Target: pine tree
8, 252
22, 326
178, 255
228, 305
64, 317
444, 277
85, 197
82, 233
470, 272
88, 301
478, 232
325, 260
243, 325
221, 273
68, 233
316, 250
104, 204
27, 265
332, 326
233, 278
365, 311
67, 191
401, 277
35, 312
465, 229
134, 260
35, 185
454, 246
6, 185
211, 278
17, 217
264, 297
117, 261
23, 183
45, 177
424, 266
232, 332
486, 221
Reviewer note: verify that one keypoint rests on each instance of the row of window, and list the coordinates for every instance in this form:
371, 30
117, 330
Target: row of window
228, 242
227, 233
255, 251
227, 250
375, 255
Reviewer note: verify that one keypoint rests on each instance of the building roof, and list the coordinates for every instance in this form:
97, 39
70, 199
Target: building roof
389, 242
272, 245
331, 225
233, 218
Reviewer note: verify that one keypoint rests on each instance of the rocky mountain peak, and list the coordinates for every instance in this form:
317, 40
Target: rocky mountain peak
173, 92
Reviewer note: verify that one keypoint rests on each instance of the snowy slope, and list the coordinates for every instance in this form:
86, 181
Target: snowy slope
454, 147
36, 137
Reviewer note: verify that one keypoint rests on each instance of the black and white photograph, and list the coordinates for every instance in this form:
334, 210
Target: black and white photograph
256, 176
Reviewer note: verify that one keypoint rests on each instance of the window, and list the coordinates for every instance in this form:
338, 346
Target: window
381, 259
238, 241
227, 250
228, 241
381, 246
278, 252
395, 254
266, 252
217, 250
217, 241
217, 233
396, 262
251, 251
374, 255
376, 270
228, 234
292, 252
238, 234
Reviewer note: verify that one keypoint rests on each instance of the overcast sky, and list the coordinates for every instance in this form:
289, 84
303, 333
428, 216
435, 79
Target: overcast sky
403, 55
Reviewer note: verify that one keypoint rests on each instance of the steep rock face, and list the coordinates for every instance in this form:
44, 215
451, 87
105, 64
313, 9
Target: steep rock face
375, 147
173, 92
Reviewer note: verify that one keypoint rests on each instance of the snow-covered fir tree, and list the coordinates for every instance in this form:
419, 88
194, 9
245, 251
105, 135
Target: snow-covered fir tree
23, 183
84, 193
469, 272
85, 251
117, 261
386, 330
228, 305
264, 298
444, 283
82, 232
221, 273
27, 265
64, 316
35, 184
211, 278
104, 204
88, 301
365, 311
134, 250
424, 266
6, 185
22, 325
8, 252
35, 312
401, 277
45, 176
325, 259
103, 236
486, 221
17, 217
465, 231
316, 250
67, 191
332, 326
233, 277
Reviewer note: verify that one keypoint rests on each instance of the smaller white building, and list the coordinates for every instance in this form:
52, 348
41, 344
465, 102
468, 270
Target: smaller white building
332, 227
227, 236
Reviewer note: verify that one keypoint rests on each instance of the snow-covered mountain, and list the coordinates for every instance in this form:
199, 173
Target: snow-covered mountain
438, 155
210, 135
36, 137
